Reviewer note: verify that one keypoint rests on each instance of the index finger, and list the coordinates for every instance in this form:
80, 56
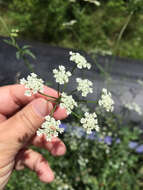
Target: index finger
12, 99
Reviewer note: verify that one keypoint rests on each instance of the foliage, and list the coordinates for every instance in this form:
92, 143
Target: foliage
96, 27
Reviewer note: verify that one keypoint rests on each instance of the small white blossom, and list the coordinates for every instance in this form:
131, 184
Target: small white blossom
33, 84
79, 60
90, 122
70, 23
97, 3
61, 75
84, 86
50, 128
135, 107
106, 101
67, 102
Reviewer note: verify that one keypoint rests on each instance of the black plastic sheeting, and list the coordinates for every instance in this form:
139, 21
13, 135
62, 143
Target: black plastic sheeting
116, 74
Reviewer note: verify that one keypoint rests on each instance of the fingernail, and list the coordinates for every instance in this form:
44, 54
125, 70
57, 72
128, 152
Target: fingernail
41, 107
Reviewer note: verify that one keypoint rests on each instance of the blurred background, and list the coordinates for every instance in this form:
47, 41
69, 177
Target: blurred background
104, 25
114, 30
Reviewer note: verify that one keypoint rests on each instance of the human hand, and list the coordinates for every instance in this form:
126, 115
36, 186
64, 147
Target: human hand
20, 117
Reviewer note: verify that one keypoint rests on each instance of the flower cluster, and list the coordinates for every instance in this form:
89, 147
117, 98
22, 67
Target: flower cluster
33, 84
84, 86
61, 75
50, 128
67, 102
135, 107
90, 122
106, 101
79, 60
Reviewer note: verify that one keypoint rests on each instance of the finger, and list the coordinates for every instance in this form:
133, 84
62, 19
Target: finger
12, 98
36, 162
18, 129
60, 113
2, 118
56, 147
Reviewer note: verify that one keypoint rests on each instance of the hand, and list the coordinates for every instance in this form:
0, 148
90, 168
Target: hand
20, 117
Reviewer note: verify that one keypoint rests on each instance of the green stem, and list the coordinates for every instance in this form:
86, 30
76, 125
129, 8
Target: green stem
73, 69
73, 113
47, 95
30, 67
87, 101
52, 112
58, 89
122, 31
52, 101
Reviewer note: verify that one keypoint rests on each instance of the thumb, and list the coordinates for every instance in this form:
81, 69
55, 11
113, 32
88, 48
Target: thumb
24, 124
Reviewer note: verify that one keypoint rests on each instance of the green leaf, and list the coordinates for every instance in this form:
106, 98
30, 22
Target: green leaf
8, 42
18, 55
28, 52
26, 46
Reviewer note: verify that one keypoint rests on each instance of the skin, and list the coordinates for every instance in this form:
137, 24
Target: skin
20, 117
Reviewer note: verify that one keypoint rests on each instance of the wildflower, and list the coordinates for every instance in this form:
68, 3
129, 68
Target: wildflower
50, 128
97, 3
84, 86
135, 107
33, 84
106, 101
67, 102
61, 75
90, 122
70, 23
79, 60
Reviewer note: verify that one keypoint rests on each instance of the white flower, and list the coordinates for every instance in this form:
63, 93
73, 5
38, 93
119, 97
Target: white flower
79, 60
135, 107
50, 128
97, 3
33, 84
90, 122
84, 86
106, 101
67, 102
70, 23
61, 75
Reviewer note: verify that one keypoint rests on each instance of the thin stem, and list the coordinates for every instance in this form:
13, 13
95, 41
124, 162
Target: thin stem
87, 101
30, 67
58, 89
52, 101
123, 30
73, 69
73, 113
47, 95
52, 112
